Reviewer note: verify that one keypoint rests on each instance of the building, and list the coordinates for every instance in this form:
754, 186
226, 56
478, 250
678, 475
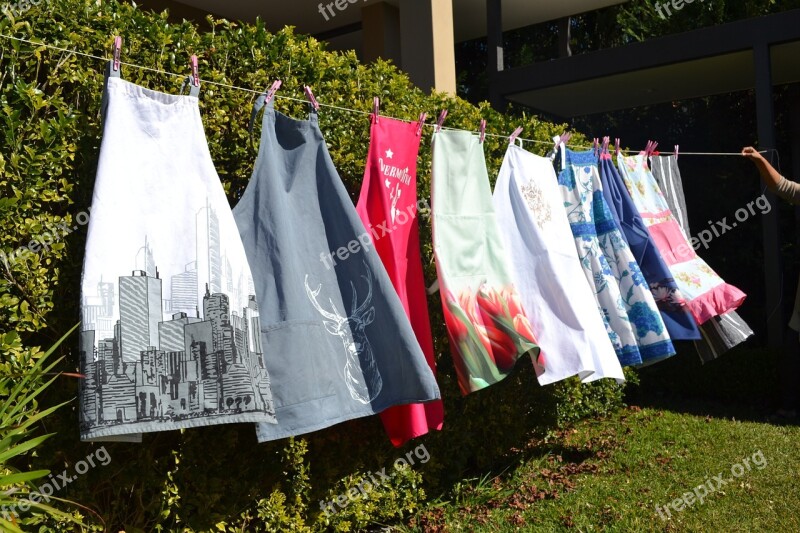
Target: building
417, 35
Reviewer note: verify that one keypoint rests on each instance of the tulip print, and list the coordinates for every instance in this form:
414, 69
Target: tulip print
488, 333
501, 348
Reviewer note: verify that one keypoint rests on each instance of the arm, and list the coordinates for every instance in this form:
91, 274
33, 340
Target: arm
788, 190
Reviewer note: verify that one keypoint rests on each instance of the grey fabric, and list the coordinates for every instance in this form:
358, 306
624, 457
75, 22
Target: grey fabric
720, 333
666, 172
335, 336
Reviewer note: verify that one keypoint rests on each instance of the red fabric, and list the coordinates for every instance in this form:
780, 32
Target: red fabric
387, 206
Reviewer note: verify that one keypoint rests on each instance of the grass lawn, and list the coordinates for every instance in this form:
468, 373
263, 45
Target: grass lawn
688, 424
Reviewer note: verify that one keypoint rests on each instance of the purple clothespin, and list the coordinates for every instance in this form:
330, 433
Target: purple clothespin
439, 122
195, 71
116, 51
310, 96
272, 90
421, 122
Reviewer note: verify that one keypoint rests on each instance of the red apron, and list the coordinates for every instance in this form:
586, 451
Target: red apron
388, 207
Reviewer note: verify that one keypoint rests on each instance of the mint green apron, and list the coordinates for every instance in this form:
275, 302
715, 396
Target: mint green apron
486, 324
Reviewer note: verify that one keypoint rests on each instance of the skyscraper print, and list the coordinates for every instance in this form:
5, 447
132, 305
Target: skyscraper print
144, 365
170, 320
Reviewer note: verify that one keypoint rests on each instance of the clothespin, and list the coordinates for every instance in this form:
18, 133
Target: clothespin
310, 96
595, 143
482, 130
115, 64
551, 155
606, 141
565, 137
617, 147
676, 152
376, 104
514, 135
653, 149
194, 89
421, 122
193, 79
195, 71
272, 90
439, 122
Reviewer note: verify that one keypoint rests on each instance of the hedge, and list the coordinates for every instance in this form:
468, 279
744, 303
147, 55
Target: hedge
219, 478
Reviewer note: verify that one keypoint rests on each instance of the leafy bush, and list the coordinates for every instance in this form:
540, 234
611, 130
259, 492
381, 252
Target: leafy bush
18, 416
220, 478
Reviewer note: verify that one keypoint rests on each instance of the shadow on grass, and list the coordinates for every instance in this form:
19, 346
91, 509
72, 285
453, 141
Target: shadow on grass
744, 384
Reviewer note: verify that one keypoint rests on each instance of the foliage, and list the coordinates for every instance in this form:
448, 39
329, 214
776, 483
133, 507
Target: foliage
19, 415
219, 478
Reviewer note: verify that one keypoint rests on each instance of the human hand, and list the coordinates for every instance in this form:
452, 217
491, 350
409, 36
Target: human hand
751, 153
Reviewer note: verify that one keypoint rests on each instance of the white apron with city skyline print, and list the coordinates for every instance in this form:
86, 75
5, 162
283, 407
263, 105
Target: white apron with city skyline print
170, 333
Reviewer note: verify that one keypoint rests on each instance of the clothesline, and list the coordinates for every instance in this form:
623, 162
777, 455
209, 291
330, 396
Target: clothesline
331, 106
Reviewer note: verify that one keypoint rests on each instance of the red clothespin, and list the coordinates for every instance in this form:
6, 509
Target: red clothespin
616, 146
653, 149
116, 51
310, 97
422, 117
439, 122
483, 130
376, 104
514, 135
272, 90
676, 152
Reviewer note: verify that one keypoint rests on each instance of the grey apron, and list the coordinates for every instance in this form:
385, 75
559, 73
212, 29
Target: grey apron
720, 333
334, 333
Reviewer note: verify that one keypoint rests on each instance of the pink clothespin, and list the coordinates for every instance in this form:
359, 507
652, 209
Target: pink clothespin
272, 90
606, 141
565, 137
676, 152
595, 144
653, 149
514, 135
439, 122
116, 51
483, 130
617, 147
310, 97
195, 71
422, 117
376, 104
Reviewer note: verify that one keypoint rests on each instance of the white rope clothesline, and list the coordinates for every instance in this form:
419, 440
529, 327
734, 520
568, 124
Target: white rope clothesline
331, 106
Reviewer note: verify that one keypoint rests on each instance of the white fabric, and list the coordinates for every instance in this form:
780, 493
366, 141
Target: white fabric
547, 272
170, 335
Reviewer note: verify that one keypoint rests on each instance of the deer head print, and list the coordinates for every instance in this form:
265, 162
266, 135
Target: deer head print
361, 370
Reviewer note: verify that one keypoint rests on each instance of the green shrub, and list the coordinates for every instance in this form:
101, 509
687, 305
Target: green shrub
49, 104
